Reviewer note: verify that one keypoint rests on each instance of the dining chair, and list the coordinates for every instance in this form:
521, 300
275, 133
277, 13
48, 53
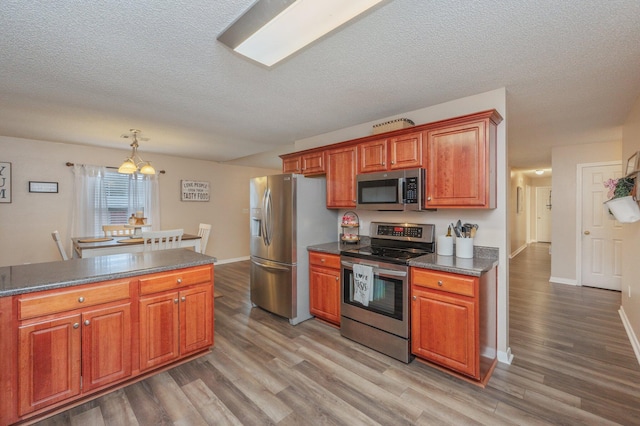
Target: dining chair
116, 230
203, 232
56, 238
161, 240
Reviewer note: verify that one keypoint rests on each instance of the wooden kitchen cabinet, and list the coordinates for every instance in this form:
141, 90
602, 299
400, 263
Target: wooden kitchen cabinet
341, 177
66, 345
308, 164
399, 152
72, 342
174, 324
453, 321
324, 286
461, 162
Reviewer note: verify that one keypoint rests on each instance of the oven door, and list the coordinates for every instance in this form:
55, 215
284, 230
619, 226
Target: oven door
388, 309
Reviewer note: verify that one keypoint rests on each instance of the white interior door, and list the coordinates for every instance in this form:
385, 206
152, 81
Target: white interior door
601, 233
543, 214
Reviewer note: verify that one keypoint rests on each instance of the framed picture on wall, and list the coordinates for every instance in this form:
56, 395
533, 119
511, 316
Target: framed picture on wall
5, 182
633, 163
519, 199
191, 190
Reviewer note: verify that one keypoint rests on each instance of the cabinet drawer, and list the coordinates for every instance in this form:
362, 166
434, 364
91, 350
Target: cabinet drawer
53, 301
324, 259
458, 284
175, 279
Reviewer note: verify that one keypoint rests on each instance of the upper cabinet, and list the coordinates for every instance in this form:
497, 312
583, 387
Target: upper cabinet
461, 162
400, 152
341, 177
307, 164
459, 155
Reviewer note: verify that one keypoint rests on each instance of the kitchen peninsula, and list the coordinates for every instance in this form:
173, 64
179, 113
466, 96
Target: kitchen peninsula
77, 329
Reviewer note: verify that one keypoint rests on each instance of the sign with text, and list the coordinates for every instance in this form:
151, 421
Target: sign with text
5, 182
194, 190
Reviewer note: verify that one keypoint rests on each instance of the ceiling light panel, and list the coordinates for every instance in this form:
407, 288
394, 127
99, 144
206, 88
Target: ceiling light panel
294, 25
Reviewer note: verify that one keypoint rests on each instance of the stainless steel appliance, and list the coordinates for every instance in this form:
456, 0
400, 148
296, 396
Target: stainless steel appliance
395, 190
288, 213
383, 323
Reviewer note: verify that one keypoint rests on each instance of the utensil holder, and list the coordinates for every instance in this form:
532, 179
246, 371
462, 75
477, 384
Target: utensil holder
464, 248
445, 245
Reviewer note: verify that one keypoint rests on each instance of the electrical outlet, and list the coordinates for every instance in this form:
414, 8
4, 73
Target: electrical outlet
245, 211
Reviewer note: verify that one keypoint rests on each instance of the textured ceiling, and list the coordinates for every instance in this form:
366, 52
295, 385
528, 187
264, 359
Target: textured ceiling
86, 72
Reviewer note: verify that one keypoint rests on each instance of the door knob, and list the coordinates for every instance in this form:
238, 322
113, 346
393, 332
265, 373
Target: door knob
587, 233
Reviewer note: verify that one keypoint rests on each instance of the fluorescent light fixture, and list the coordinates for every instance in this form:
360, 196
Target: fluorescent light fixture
539, 172
272, 30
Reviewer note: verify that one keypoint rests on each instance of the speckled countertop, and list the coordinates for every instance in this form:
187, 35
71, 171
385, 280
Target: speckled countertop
50, 275
484, 258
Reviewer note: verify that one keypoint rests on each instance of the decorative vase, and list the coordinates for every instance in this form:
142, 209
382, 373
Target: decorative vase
625, 209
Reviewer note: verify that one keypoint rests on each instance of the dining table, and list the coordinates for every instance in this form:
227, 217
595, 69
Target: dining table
102, 246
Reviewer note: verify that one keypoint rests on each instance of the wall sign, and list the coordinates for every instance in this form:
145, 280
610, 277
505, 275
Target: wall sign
43, 186
194, 190
5, 182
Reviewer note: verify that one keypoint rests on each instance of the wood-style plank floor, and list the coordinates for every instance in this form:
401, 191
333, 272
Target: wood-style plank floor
573, 365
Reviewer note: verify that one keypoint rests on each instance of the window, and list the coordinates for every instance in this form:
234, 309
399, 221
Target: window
121, 196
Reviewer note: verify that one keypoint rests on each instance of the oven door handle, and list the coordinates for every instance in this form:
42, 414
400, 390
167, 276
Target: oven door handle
376, 270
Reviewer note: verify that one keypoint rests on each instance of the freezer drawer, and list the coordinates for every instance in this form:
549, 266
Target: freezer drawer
274, 287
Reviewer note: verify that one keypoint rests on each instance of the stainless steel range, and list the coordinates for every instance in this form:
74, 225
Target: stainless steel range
375, 298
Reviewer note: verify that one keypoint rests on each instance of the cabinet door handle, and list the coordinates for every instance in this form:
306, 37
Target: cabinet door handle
184, 299
76, 325
80, 299
87, 322
322, 260
175, 300
440, 283
337, 278
179, 281
414, 298
429, 198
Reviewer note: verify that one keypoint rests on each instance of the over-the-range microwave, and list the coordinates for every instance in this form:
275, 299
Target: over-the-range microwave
394, 190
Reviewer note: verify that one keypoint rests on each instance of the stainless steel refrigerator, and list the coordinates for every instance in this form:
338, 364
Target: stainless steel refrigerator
288, 213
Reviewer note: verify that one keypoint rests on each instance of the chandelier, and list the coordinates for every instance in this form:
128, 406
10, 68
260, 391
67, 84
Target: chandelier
134, 163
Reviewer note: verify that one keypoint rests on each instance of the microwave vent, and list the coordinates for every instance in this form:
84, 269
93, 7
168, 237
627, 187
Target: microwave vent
387, 126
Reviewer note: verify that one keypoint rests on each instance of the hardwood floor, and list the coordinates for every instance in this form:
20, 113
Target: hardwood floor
573, 365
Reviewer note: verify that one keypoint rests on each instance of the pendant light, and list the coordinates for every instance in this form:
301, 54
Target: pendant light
134, 163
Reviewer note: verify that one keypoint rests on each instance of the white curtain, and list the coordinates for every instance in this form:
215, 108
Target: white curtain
144, 196
89, 205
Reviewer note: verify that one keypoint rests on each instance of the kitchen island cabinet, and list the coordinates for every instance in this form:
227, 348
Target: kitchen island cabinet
69, 330
324, 286
453, 321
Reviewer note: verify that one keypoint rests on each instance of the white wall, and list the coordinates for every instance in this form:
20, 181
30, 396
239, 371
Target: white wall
630, 310
493, 223
565, 160
26, 223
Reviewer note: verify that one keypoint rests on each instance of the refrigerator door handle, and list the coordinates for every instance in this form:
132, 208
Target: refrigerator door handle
267, 211
263, 222
270, 266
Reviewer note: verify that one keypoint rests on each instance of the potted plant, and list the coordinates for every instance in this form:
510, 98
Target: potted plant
622, 202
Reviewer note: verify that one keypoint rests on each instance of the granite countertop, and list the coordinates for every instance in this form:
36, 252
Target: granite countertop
337, 246
33, 277
484, 258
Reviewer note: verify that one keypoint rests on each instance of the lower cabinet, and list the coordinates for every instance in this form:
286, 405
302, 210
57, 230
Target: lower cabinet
324, 286
175, 324
64, 354
453, 321
75, 341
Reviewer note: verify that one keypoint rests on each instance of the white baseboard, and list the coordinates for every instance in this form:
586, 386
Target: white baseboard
505, 357
632, 336
517, 251
237, 259
556, 280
